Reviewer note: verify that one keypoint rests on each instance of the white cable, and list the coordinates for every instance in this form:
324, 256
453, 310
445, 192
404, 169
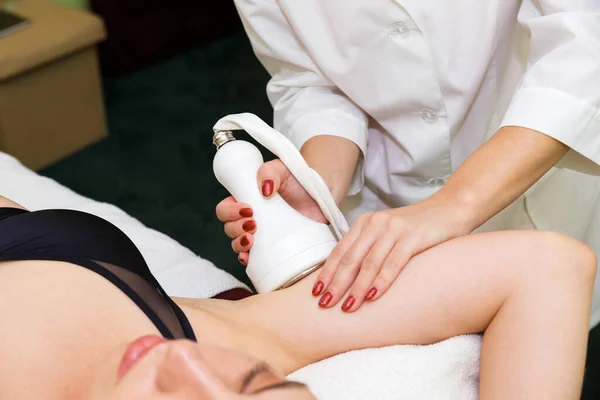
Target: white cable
283, 148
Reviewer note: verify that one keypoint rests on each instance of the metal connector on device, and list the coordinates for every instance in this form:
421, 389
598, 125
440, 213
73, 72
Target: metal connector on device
222, 137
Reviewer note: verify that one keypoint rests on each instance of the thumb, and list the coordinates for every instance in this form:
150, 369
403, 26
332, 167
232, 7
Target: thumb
271, 176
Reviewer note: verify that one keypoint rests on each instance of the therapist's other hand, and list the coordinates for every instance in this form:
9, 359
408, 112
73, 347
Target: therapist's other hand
369, 258
273, 177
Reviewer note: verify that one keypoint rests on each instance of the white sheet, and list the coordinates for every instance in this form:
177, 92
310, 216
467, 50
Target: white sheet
446, 370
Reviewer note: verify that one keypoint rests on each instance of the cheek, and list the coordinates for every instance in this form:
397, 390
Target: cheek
229, 377
137, 388
227, 365
102, 381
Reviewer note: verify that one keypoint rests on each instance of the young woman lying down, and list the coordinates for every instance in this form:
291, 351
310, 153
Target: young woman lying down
83, 318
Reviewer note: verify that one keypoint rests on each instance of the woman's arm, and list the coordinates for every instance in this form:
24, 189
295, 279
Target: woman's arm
370, 257
550, 113
335, 159
499, 172
529, 291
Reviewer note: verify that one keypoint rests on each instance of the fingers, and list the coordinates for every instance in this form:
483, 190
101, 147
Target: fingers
393, 265
243, 258
363, 289
239, 224
271, 175
242, 243
229, 210
237, 228
342, 268
364, 264
328, 271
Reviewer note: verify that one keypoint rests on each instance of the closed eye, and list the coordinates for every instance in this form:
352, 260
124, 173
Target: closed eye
258, 369
282, 385
263, 368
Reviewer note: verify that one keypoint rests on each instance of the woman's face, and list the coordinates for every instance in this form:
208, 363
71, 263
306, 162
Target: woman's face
153, 368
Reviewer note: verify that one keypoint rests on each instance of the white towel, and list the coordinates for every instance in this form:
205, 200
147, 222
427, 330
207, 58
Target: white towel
180, 272
448, 370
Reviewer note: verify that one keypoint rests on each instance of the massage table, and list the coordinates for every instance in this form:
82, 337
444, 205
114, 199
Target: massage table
446, 370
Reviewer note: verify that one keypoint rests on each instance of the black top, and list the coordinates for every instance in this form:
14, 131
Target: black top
95, 244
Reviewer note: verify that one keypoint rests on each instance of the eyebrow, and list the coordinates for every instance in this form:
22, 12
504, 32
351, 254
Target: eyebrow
263, 368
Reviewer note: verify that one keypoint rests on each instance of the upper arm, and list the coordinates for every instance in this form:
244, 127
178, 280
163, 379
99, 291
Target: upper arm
306, 102
4, 202
277, 45
452, 289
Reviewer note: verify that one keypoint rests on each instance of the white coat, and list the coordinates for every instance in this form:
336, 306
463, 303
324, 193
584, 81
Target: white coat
420, 85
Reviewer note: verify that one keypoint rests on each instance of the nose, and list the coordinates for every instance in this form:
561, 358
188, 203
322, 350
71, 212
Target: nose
184, 371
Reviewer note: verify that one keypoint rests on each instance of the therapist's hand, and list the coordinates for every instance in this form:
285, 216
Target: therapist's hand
273, 177
369, 258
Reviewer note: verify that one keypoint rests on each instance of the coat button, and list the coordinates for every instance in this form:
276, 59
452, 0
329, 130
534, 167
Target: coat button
400, 30
429, 116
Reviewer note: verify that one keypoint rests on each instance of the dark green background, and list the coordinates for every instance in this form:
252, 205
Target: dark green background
157, 162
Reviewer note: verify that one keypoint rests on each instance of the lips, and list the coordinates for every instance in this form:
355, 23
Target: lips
136, 351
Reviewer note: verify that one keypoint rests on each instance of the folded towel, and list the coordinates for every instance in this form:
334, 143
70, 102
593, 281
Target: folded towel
180, 271
448, 370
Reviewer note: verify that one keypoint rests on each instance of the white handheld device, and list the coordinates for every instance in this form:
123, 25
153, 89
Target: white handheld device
287, 245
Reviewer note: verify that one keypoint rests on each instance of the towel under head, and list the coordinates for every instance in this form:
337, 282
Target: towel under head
448, 370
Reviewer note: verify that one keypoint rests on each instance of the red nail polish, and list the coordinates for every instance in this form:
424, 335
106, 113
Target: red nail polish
318, 288
244, 241
371, 293
348, 303
325, 299
267, 187
246, 212
249, 226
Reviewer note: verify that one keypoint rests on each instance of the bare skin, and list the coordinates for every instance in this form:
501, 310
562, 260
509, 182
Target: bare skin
530, 292
366, 262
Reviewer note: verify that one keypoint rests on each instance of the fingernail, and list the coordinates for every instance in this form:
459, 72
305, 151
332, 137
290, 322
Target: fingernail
318, 288
246, 212
249, 226
240, 260
325, 299
267, 187
371, 293
348, 303
244, 241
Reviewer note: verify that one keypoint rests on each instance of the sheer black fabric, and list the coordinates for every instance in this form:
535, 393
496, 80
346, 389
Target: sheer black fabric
93, 243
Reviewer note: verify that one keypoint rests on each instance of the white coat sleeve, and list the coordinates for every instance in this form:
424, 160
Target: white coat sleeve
305, 102
559, 94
